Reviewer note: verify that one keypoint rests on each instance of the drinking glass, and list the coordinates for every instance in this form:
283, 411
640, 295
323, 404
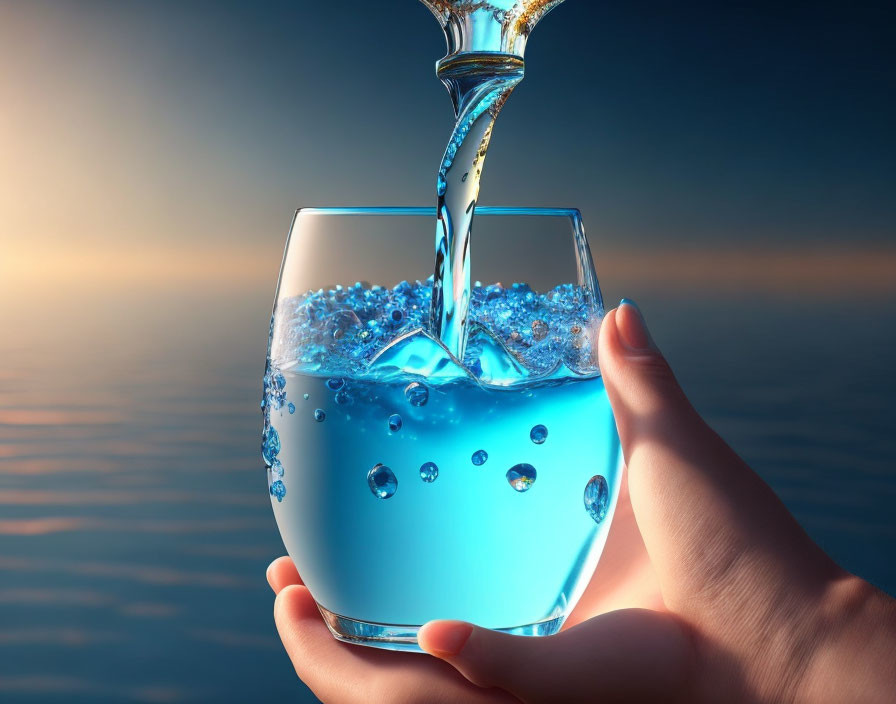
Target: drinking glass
407, 484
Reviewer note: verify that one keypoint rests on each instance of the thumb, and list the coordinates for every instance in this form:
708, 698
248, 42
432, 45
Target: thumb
606, 658
706, 518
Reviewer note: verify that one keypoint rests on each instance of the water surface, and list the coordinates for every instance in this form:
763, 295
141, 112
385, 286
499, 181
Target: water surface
135, 525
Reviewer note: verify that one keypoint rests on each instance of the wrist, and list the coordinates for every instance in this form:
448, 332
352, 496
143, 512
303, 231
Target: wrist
853, 655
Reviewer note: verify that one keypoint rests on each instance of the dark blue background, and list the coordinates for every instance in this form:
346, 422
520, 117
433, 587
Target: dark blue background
134, 522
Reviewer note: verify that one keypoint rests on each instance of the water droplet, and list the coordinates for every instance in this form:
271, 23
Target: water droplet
539, 329
597, 498
335, 384
277, 468
319, 415
278, 490
396, 315
342, 322
395, 422
343, 398
429, 472
521, 477
291, 407
538, 434
479, 457
270, 445
382, 481
306, 396
417, 394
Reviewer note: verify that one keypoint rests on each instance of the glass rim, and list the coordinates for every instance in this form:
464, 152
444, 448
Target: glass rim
431, 211
586, 274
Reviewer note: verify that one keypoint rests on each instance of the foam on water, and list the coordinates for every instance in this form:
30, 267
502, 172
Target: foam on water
517, 336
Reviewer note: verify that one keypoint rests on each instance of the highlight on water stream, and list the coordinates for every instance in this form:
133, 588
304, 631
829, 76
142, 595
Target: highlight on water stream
486, 42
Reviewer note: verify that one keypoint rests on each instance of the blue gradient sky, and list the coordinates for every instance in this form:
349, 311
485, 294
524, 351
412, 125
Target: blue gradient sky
666, 124
736, 167
163, 146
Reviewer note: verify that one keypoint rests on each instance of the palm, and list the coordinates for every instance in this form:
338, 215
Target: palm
623, 580
746, 598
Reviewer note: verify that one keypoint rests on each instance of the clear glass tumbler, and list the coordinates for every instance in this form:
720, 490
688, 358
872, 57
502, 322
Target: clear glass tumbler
410, 485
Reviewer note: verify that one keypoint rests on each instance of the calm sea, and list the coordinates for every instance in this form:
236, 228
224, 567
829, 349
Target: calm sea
134, 522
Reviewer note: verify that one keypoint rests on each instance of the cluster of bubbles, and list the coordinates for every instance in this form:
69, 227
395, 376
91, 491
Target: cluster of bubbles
383, 483
274, 389
274, 398
340, 330
381, 479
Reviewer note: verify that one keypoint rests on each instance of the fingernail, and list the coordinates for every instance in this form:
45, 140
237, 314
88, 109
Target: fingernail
447, 639
631, 326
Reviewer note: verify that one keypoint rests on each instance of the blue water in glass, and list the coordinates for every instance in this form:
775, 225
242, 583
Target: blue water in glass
376, 540
467, 546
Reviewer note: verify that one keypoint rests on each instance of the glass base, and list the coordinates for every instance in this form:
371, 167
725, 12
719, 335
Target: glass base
392, 637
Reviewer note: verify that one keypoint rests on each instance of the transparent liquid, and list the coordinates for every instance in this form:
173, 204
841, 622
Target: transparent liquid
479, 84
467, 544
486, 41
410, 485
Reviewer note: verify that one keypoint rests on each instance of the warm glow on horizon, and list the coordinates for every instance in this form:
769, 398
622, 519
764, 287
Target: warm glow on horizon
114, 179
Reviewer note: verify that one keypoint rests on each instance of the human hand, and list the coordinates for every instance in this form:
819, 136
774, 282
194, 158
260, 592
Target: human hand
708, 589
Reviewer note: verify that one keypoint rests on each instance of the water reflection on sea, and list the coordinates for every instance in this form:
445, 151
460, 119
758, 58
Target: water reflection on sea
135, 526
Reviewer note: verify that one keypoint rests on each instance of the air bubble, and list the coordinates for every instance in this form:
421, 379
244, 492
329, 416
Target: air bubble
429, 472
539, 329
597, 498
342, 322
277, 468
538, 434
270, 445
278, 490
417, 394
479, 457
335, 384
395, 422
521, 477
382, 481
319, 415
291, 407
342, 398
